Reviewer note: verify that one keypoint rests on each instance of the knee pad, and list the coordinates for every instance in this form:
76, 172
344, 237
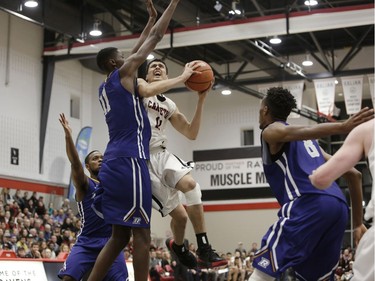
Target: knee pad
194, 196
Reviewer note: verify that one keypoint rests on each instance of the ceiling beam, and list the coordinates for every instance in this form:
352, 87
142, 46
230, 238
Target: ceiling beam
299, 22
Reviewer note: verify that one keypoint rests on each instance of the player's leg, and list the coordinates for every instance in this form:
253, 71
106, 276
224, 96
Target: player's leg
141, 253
177, 245
178, 224
207, 256
119, 239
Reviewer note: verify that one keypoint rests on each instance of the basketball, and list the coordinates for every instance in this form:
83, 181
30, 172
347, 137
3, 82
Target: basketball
201, 82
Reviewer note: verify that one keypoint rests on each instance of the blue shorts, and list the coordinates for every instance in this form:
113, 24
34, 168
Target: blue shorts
83, 256
308, 237
126, 192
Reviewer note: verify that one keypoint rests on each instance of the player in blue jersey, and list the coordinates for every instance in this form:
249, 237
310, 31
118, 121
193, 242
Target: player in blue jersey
358, 144
124, 176
307, 236
94, 233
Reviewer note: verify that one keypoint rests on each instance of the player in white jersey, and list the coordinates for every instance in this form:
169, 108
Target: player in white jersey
359, 143
169, 174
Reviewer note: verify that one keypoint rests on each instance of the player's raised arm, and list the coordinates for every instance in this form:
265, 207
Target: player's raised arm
79, 177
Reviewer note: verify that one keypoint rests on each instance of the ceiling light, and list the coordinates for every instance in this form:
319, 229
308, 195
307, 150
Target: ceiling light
275, 40
218, 6
236, 8
31, 3
307, 61
226, 92
150, 57
311, 2
95, 29
336, 81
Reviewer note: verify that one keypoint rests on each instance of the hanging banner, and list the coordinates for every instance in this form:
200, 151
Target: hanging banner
296, 89
371, 85
325, 95
264, 88
352, 87
82, 146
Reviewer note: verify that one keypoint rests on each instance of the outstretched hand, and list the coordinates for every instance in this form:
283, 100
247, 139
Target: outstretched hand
364, 115
64, 122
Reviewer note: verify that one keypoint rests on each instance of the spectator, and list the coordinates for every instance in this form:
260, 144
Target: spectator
22, 244
40, 208
47, 254
25, 197
52, 244
34, 251
21, 252
47, 231
65, 205
34, 198
13, 242
17, 197
5, 196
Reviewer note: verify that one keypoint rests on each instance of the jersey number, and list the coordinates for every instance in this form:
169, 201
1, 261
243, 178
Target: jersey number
158, 122
311, 148
103, 99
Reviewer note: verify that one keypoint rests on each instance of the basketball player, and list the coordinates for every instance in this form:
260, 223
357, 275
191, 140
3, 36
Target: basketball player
94, 233
308, 234
359, 143
169, 174
126, 198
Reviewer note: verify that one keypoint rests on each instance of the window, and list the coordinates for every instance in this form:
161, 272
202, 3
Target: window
247, 137
75, 107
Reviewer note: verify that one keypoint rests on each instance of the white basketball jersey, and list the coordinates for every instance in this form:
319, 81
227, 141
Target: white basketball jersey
370, 209
159, 110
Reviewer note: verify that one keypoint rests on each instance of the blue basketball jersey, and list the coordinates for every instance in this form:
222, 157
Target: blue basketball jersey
92, 225
288, 175
126, 117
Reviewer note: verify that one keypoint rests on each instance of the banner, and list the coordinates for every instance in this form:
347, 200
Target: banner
231, 175
296, 89
325, 95
264, 88
371, 85
352, 87
82, 146
22, 270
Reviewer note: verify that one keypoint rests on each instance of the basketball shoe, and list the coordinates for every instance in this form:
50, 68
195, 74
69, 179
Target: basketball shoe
208, 258
185, 256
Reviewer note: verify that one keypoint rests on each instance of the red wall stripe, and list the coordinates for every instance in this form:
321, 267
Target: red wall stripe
237, 207
32, 186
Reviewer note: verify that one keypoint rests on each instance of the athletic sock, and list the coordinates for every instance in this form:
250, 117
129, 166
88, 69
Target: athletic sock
202, 240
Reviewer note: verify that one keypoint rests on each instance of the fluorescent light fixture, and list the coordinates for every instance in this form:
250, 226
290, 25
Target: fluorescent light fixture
275, 40
311, 2
307, 61
336, 81
236, 8
226, 92
150, 57
95, 29
218, 6
31, 3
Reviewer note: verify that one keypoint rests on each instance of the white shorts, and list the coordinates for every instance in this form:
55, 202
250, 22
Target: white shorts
166, 170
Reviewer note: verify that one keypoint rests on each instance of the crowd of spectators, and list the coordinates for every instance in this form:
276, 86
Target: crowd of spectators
33, 230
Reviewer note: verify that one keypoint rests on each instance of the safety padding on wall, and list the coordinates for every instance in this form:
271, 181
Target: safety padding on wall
7, 254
